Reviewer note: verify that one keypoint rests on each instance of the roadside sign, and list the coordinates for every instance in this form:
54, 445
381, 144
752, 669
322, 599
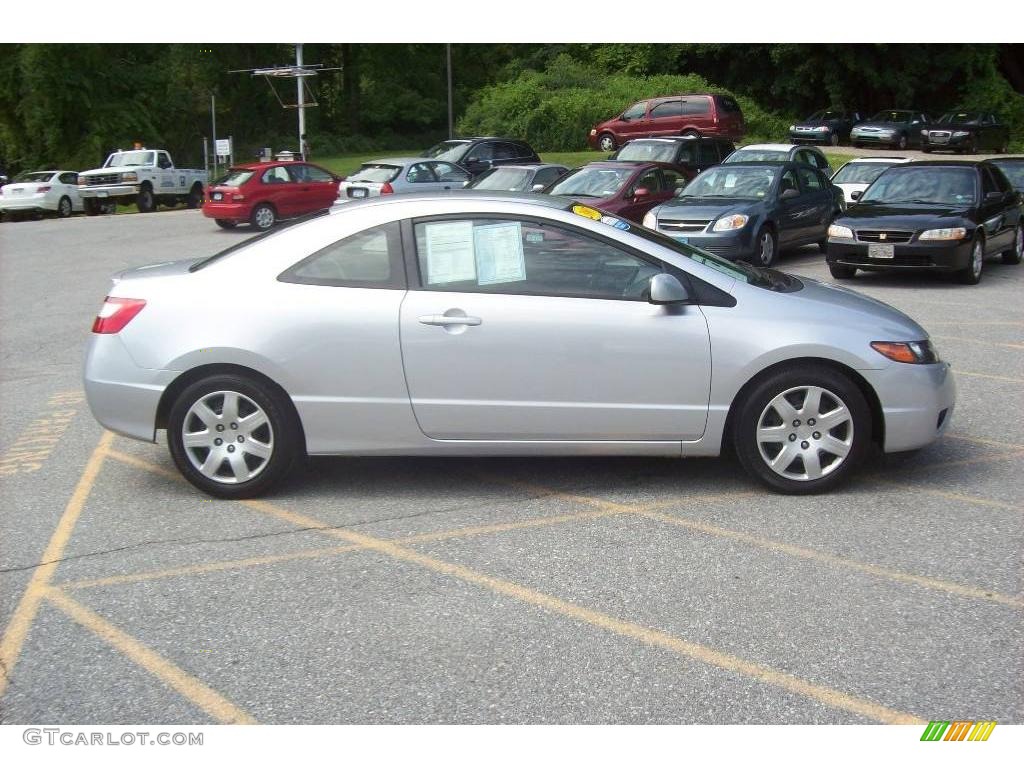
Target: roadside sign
223, 147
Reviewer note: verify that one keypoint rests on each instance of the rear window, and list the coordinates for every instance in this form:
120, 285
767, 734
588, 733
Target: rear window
728, 104
235, 178
696, 105
859, 173
651, 151
376, 173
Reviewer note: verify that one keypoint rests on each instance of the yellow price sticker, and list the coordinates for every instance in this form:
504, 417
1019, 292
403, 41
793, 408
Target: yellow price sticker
587, 211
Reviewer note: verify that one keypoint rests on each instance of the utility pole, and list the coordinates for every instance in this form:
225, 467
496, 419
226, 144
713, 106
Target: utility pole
213, 119
300, 99
448, 55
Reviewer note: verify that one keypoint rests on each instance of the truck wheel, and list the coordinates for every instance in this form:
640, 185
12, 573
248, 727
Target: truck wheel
226, 223
263, 217
91, 209
195, 196
146, 201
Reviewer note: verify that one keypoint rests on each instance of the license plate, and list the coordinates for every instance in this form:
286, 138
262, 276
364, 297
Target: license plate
940, 139
358, 192
218, 196
101, 194
17, 192
876, 251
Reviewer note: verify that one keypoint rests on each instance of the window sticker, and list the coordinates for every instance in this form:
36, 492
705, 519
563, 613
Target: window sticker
499, 253
587, 212
611, 221
450, 252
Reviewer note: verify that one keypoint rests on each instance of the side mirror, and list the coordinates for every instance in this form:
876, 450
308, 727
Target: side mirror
537, 187
856, 195
641, 192
790, 194
666, 289
994, 196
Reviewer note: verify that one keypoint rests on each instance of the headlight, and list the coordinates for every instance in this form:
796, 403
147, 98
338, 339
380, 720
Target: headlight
954, 233
821, 128
729, 223
593, 131
961, 134
792, 127
840, 232
650, 220
915, 352
924, 133
130, 176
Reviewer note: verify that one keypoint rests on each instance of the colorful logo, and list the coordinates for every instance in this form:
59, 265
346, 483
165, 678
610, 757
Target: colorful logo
958, 730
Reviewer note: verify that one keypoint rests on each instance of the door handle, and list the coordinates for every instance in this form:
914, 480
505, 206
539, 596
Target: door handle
445, 320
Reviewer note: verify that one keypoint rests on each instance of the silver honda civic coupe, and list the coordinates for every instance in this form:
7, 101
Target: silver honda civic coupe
494, 324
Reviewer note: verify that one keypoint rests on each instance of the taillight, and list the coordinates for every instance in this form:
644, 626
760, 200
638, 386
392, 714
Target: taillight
387, 189
116, 313
43, 189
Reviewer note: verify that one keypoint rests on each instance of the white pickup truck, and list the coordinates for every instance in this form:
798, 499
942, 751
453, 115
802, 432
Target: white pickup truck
146, 177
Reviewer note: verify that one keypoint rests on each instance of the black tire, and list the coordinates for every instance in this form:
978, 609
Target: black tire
195, 196
606, 143
281, 432
854, 432
766, 249
858, 145
1002, 148
833, 139
901, 142
64, 207
971, 274
145, 201
1013, 254
842, 272
263, 217
970, 147
91, 207
926, 150
226, 223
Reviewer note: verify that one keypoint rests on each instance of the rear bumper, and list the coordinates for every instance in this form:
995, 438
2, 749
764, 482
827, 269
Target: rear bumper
917, 403
28, 203
937, 256
229, 211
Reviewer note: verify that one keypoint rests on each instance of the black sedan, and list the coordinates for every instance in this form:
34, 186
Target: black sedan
940, 216
1013, 169
897, 128
751, 210
528, 177
966, 132
481, 153
827, 126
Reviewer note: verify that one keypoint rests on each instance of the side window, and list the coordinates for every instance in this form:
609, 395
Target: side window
276, 175
672, 180
649, 181
788, 182
526, 257
668, 109
809, 180
547, 175
505, 151
312, 173
448, 172
697, 105
637, 111
1001, 181
69, 178
988, 183
706, 155
369, 259
163, 160
420, 173
482, 151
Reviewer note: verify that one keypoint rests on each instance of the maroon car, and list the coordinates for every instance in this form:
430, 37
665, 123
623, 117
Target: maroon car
623, 187
703, 114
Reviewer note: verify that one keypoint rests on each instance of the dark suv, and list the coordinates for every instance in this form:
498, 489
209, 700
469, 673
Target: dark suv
689, 154
481, 153
694, 114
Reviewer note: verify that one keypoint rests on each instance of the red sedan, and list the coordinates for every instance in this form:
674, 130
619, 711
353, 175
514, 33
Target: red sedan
623, 187
262, 193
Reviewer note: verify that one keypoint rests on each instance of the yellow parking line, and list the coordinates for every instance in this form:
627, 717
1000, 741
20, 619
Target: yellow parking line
1011, 379
25, 612
955, 463
976, 322
950, 496
149, 466
188, 686
983, 441
1004, 344
828, 696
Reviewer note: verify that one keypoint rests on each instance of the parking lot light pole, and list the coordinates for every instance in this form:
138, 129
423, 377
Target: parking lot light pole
448, 56
300, 100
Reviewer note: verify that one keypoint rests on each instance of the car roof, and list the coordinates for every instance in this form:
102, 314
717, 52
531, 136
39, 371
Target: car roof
950, 163
628, 163
403, 161
548, 201
1009, 159
530, 166
760, 164
774, 147
880, 159
265, 165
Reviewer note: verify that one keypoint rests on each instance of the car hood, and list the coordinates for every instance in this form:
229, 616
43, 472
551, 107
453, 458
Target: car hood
901, 217
816, 123
848, 307
881, 125
950, 126
116, 169
706, 209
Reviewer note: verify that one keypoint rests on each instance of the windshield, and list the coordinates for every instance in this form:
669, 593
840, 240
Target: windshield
653, 151
375, 173
859, 173
732, 182
120, 159
892, 116
507, 179
236, 177
959, 117
593, 182
757, 155
1013, 171
35, 177
448, 150
826, 114
934, 186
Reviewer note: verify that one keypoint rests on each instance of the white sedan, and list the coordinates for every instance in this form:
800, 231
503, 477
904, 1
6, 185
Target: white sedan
54, 191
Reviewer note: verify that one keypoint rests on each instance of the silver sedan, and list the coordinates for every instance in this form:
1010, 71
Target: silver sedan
493, 324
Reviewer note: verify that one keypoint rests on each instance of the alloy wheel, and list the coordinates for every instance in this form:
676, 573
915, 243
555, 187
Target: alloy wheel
805, 433
227, 437
767, 248
264, 218
977, 259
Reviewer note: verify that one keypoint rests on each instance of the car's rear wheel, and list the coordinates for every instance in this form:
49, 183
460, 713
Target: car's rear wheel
1014, 254
926, 150
901, 142
64, 207
833, 139
767, 245
803, 429
971, 274
970, 147
263, 217
226, 223
842, 272
606, 142
232, 436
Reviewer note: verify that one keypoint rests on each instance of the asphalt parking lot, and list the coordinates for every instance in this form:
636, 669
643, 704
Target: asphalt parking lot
496, 590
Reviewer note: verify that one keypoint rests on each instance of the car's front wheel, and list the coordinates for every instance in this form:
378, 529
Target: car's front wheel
1013, 255
802, 429
767, 246
971, 274
901, 143
606, 142
232, 436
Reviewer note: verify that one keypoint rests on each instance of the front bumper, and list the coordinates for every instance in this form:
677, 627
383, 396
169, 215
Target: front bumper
109, 190
936, 255
917, 402
875, 138
733, 245
122, 396
824, 137
953, 142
